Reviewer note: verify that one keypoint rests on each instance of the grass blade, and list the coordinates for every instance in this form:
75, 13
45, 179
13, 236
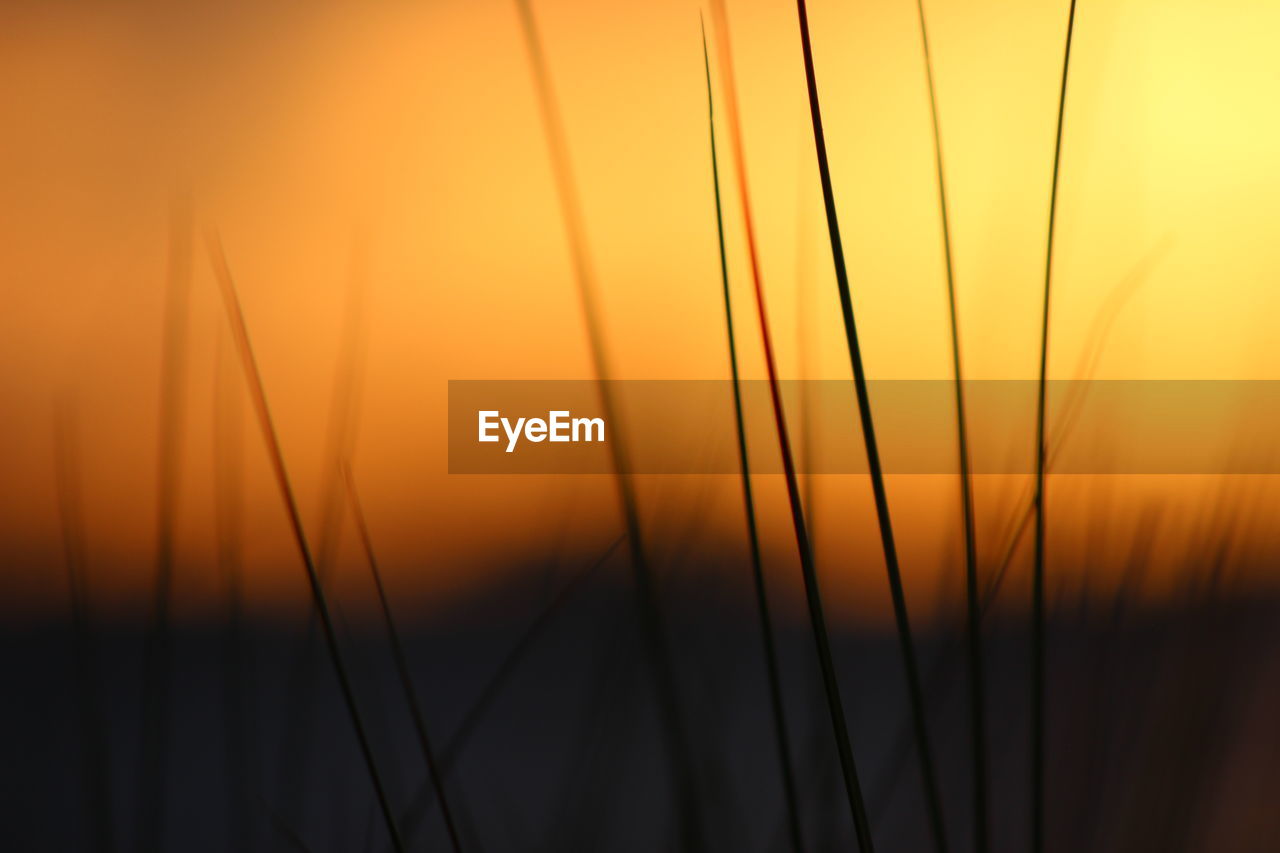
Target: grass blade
296, 753
257, 393
933, 800
813, 593
286, 832
97, 777
1072, 402
1037, 577
757, 570
494, 686
228, 521
973, 607
652, 628
153, 789
401, 661
1071, 406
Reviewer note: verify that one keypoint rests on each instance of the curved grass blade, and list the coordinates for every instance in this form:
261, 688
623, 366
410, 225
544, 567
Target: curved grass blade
1037, 577
296, 747
492, 689
651, 619
89, 702
757, 571
401, 661
973, 611
933, 800
228, 522
1072, 405
257, 393
1072, 401
153, 791
813, 594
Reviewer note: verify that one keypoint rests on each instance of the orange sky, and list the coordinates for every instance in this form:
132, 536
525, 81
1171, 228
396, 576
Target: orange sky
407, 134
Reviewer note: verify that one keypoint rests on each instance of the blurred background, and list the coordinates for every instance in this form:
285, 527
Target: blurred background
379, 181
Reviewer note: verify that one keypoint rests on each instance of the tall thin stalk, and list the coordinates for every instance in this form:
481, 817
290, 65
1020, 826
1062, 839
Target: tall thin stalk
753, 537
344, 404
1071, 404
498, 681
813, 594
805, 346
401, 661
235, 317
229, 521
915, 695
153, 790
1061, 428
652, 628
1037, 577
296, 753
977, 716
89, 702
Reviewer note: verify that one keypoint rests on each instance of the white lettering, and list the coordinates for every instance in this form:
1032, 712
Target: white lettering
559, 426
513, 435
488, 421
587, 424
559, 422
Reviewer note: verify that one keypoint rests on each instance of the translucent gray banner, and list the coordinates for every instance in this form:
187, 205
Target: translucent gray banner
689, 427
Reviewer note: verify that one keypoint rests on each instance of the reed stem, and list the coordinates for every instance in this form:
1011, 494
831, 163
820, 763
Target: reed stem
813, 593
153, 790
258, 395
753, 537
92, 729
653, 630
915, 694
401, 661
973, 606
1037, 577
